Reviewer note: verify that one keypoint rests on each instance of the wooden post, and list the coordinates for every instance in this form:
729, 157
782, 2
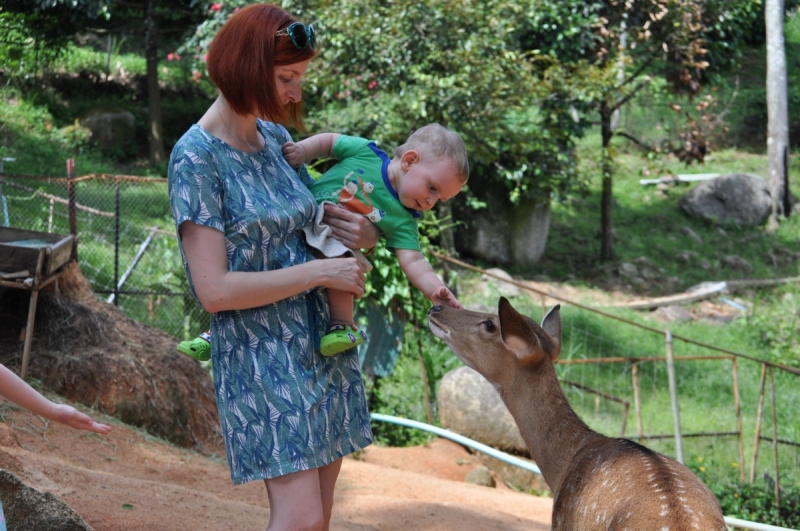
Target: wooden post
26, 349
737, 406
759, 414
775, 439
73, 219
673, 394
637, 404
72, 204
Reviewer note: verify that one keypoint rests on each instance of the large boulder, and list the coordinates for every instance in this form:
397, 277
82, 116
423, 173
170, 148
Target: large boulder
110, 128
470, 406
26, 508
735, 199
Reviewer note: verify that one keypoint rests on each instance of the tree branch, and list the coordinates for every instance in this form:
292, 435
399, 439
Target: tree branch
636, 141
630, 95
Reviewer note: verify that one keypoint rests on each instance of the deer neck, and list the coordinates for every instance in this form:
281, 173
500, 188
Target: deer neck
551, 429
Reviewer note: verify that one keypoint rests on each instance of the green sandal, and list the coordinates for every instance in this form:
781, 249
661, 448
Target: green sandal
340, 339
198, 348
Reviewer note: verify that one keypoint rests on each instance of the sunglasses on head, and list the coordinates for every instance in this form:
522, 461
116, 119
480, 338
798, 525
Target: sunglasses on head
302, 36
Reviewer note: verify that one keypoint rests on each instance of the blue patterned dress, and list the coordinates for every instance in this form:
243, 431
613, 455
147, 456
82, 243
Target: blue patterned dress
282, 406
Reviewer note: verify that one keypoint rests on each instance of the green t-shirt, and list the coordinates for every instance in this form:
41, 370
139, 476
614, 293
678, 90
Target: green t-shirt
360, 182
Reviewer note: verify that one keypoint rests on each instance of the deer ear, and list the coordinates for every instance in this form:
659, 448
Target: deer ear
551, 324
516, 332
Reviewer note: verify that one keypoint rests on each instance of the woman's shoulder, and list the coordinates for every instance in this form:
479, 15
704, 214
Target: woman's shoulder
195, 145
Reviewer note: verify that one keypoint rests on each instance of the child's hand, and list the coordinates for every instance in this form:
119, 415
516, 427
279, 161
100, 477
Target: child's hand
444, 297
294, 153
75, 419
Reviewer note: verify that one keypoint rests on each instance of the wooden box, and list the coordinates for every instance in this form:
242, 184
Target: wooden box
19, 250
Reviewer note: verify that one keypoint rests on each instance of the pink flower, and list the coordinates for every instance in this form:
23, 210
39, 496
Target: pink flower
170, 56
236, 10
358, 78
372, 84
205, 56
216, 7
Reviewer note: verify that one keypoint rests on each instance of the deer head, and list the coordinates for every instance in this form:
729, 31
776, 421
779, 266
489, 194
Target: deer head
497, 346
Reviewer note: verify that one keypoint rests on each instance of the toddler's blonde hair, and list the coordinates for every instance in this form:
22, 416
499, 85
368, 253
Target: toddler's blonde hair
438, 141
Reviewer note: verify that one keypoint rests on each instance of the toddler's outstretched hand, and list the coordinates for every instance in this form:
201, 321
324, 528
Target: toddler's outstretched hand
444, 297
75, 419
294, 154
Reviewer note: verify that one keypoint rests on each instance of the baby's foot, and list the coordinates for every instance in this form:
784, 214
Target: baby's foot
198, 348
339, 339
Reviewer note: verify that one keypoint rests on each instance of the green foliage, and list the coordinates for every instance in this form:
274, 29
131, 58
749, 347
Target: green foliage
756, 503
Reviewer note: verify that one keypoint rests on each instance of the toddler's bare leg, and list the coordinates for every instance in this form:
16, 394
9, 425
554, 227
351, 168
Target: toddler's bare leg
341, 307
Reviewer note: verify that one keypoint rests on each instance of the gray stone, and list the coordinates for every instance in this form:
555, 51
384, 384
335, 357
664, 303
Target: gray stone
26, 508
469, 405
628, 270
481, 475
110, 128
674, 313
504, 288
737, 263
530, 226
736, 199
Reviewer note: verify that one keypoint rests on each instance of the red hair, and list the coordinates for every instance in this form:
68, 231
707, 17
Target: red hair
242, 59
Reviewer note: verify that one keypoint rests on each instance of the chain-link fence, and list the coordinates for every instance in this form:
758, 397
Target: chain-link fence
126, 249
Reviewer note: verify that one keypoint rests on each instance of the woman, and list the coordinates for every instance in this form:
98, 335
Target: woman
288, 415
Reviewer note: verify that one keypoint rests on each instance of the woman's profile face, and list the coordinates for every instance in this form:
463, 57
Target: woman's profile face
287, 81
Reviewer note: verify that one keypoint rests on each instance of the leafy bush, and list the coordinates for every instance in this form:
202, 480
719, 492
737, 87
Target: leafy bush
756, 502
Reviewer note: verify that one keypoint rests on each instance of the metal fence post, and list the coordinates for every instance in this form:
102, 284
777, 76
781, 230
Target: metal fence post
673, 394
116, 243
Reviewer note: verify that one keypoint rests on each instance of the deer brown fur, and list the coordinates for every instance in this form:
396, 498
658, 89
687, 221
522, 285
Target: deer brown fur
598, 482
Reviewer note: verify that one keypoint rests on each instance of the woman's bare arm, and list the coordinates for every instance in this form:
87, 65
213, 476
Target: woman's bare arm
219, 289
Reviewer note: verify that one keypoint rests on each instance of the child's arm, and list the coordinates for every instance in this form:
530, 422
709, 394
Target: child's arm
15, 389
421, 274
313, 147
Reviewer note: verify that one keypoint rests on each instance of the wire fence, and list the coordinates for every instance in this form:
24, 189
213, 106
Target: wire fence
127, 248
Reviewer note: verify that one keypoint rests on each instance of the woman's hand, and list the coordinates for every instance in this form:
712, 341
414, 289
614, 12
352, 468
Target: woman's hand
343, 274
353, 230
294, 153
75, 419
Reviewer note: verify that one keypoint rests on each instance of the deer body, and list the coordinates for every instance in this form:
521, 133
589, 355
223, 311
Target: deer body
598, 482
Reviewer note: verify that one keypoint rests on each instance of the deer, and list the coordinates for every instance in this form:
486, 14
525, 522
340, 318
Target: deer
597, 482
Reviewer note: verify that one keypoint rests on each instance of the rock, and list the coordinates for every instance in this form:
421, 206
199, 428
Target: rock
735, 199
26, 508
686, 257
481, 475
628, 270
530, 225
470, 405
504, 288
737, 263
110, 127
674, 313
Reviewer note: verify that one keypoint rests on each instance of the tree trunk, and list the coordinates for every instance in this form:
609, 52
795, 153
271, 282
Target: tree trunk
155, 140
777, 111
607, 202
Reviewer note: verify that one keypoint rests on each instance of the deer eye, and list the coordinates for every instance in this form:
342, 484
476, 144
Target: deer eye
489, 325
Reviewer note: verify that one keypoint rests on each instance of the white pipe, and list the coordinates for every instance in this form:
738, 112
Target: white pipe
460, 439
510, 459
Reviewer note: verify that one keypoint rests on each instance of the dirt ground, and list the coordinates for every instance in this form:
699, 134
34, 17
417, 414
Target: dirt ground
130, 480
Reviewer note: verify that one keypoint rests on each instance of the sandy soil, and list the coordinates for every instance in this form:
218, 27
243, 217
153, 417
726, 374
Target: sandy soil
131, 481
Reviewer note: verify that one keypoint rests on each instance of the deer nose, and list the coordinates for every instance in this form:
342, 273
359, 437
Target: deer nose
435, 309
